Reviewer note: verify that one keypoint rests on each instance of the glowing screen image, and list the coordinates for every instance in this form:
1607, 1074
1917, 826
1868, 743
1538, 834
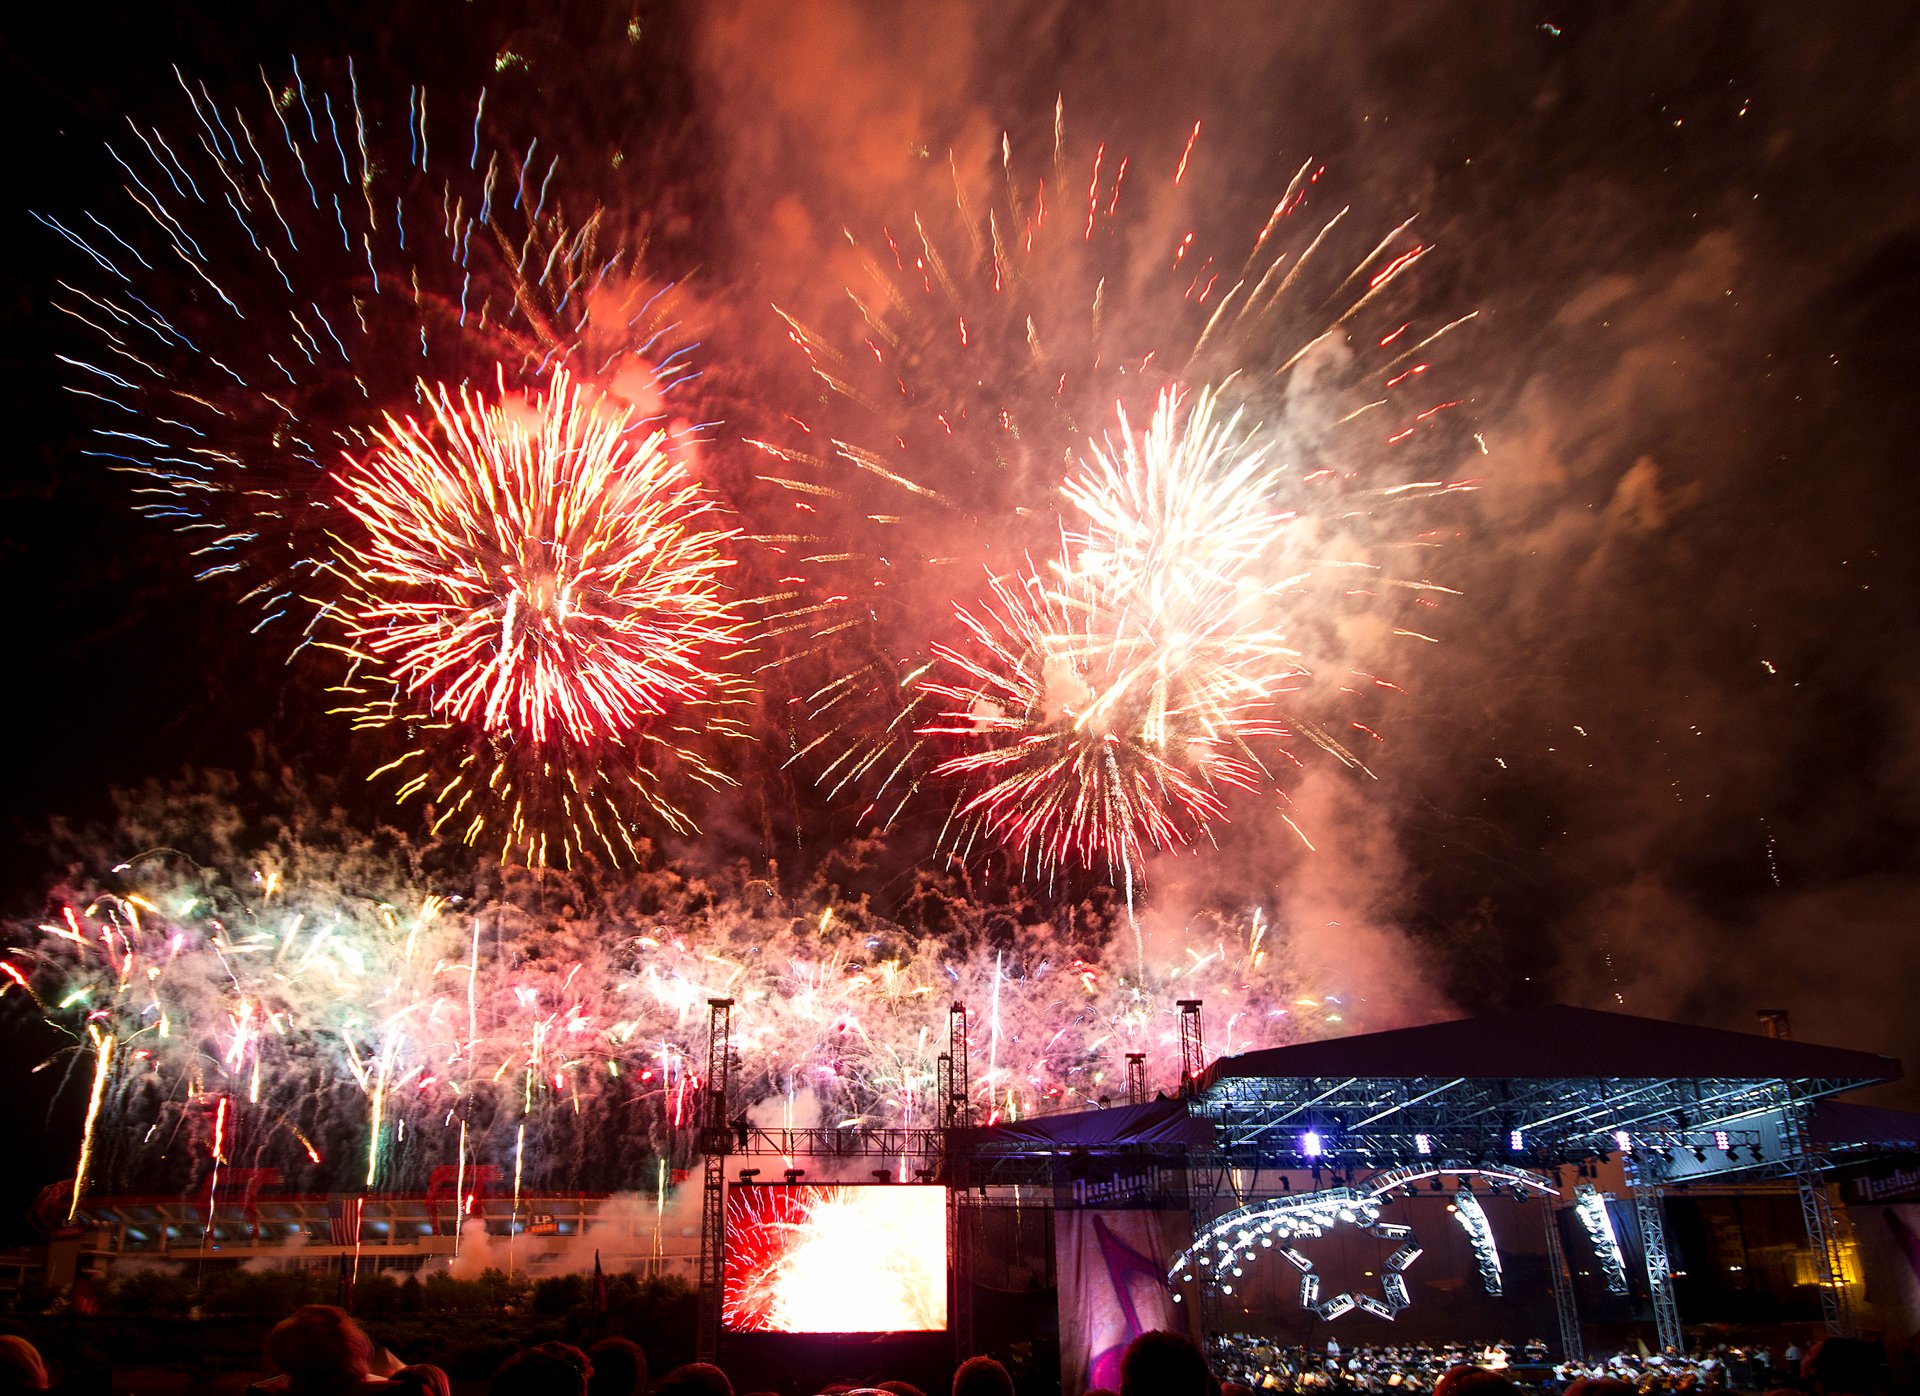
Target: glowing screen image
821, 1258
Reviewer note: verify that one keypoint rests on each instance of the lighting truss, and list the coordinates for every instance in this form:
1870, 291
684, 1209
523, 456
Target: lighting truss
1590, 1205
1221, 1251
1486, 1254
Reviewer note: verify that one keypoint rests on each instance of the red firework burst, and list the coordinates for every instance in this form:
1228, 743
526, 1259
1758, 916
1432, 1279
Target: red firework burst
538, 574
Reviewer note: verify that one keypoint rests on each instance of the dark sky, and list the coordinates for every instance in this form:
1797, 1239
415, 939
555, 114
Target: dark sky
1665, 757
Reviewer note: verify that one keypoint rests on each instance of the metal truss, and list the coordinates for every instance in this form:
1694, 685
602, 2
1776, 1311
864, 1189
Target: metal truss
854, 1141
1486, 1254
1193, 1053
1378, 1122
716, 1135
1653, 1249
956, 1166
1572, 1345
1816, 1212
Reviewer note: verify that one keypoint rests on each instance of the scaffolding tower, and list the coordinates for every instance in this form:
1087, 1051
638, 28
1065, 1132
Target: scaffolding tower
716, 1135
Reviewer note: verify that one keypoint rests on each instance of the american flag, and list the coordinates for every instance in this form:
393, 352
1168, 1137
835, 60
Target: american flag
343, 1219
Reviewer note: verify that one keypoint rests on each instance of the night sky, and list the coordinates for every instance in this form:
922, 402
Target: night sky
1666, 756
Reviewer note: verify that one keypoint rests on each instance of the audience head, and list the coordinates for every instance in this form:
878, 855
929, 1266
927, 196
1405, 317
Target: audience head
982, 1376
546, 1369
899, 1388
1842, 1366
695, 1379
619, 1368
319, 1344
1474, 1381
423, 1379
20, 1366
1600, 1386
1161, 1363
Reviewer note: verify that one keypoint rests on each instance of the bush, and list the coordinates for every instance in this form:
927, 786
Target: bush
150, 1292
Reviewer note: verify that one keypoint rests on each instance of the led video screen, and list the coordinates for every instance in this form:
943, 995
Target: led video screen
829, 1258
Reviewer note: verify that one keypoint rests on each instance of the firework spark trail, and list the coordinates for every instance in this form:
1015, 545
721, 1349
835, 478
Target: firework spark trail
1114, 700
272, 282
539, 582
347, 1035
1187, 587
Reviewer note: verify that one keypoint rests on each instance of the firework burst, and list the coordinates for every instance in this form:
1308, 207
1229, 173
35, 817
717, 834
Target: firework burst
274, 276
539, 580
277, 279
1115, 699
1123, 694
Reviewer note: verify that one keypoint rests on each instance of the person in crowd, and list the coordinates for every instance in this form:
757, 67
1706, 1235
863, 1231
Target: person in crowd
318, 1350
21, 1368
694, 1379
546, 1369
1474, 1381
982, 1376
421, 1379
619, 1368
899, 1388
1161, 1363
1599, 1386
1842, 1367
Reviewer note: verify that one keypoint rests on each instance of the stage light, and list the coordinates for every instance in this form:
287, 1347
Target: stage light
1623, 1141
1514, 1141
793, 1175
747, 1175
1310, 1144
1723, 1141
1699, 1154
1422, 1145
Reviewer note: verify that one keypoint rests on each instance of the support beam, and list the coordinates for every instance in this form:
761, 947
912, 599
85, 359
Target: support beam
1193, 1055
715, 1139
1653, 1247
1572, 1348
957, 1172
1816, 1213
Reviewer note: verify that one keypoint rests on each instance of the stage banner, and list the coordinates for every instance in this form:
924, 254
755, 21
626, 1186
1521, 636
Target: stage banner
1889, 1241
1112, 1272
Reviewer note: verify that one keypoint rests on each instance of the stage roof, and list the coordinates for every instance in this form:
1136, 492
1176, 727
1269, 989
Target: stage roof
1552, 1085
1559, 1042
1157, 1122
1841, 1123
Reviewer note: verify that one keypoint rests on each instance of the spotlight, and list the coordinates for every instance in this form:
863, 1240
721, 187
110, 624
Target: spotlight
747, 1175
793, 1175
1310, 1144
1699, 1154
